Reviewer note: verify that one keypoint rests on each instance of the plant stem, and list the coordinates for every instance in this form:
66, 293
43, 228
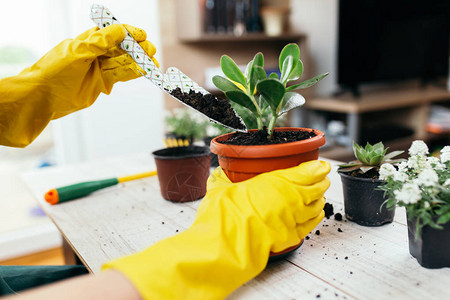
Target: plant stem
259, 116
259, 122
271, 125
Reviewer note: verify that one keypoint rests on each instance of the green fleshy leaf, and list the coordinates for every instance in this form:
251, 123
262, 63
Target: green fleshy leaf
369, 147
231, 70
243, 99
296, 72
392, 154
378, 147
349, 169
286, 69
350, 165
289, 50
273, 75
258, 60
444, 218
273, 91
247, 71
306, 84
375, 160
258, 73
291, 100
224, 84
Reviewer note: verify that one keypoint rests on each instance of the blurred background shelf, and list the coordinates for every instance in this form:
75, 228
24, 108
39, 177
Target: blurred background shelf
396, 116
248, 37
381, 99
393, 111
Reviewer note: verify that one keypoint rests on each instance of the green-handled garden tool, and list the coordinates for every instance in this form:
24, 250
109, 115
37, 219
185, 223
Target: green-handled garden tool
78, 190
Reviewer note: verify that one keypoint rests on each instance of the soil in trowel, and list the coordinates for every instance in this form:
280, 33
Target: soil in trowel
215, 108
261, 137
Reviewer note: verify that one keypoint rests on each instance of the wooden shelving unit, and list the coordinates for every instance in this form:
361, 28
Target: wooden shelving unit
407, 105
383, 99
186, 46
248, 37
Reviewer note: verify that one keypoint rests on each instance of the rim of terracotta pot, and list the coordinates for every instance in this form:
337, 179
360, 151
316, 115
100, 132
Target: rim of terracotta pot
376, 180
174, 153
270, 150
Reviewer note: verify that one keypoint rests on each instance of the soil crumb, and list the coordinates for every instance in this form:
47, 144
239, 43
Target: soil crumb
317, 232
338, 217
215, 108
329, 210
260, 137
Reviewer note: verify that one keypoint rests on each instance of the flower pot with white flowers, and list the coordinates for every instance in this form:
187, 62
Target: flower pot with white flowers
422, 185
360, 182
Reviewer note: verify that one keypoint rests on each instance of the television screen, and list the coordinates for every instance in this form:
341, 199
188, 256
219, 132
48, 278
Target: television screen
391, 40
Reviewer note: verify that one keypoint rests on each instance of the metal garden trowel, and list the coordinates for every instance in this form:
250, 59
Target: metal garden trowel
168, 81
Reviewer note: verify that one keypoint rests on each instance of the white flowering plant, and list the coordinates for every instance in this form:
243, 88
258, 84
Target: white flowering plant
421, 185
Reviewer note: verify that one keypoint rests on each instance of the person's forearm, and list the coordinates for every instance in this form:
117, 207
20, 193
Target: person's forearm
107, 285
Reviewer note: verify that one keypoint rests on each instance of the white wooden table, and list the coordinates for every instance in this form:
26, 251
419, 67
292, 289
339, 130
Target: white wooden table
357, 263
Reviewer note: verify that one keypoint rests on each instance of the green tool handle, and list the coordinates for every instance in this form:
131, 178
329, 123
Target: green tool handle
82, 189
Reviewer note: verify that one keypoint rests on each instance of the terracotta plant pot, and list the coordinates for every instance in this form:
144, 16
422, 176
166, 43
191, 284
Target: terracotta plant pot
432, 246
244, 162
183, 172
362, 201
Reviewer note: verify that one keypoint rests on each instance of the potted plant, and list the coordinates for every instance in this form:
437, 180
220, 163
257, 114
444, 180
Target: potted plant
183, 168
184, 127
250, 122
422, 185
266, 148
360, 182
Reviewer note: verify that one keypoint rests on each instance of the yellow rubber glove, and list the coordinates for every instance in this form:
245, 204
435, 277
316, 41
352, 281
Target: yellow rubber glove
236, 227
68, 78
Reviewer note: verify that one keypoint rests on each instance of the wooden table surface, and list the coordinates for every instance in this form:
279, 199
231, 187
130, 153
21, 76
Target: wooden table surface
344, 261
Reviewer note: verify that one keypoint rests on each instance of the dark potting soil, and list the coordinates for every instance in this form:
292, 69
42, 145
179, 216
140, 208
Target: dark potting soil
338, 217
372, 173
329, 210
260, 137
215, 108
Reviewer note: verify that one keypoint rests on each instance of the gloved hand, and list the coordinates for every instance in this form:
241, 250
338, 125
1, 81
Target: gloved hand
68, 78
236, 227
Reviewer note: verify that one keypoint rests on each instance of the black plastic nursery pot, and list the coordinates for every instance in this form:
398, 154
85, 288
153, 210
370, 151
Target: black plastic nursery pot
432, 246
183, 172
362, 201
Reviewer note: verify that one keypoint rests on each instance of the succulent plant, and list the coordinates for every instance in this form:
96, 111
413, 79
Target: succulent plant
369, 158
257, 91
